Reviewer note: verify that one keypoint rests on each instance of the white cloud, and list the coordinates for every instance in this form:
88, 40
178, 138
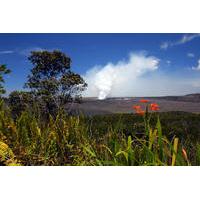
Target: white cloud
6, 52
186, 38
119, 79
190, 55
197, 68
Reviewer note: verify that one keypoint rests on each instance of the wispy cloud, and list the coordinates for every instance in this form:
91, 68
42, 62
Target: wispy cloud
27, 51
6, 52
188, 38
165, 45
197, 68
190, 55
168, 62
185, 38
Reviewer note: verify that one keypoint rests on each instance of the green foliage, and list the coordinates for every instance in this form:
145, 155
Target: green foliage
7, 157
3, 71
52, 81
181, 124
198, 154
71, 140
20, 101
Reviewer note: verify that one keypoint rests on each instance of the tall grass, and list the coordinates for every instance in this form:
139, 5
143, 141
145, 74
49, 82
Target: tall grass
67, 140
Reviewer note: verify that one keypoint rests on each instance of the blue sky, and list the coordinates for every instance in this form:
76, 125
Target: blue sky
178, 56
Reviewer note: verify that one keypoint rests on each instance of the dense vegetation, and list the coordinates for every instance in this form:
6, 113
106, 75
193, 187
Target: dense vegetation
120, 139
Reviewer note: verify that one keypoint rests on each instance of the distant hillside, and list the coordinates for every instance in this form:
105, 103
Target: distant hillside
187, 98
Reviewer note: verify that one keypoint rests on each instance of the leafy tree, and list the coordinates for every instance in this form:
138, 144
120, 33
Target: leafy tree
3, 71
19, 101
71, 85
51, 79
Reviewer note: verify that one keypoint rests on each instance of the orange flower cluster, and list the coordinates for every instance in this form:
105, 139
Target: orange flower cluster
154, 107
138, 109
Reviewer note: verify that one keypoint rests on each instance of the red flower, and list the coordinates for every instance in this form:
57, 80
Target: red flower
144, 101
136, 107
140, 112
154, 107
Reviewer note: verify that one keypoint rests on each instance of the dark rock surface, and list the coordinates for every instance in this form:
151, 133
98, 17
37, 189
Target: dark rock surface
93, 106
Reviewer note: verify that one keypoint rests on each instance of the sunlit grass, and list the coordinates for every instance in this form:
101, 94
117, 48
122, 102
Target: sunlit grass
67, 140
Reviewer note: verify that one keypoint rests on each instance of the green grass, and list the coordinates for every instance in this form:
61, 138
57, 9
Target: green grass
100, 140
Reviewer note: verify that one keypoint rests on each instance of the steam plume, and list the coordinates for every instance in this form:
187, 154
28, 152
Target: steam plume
118, 79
